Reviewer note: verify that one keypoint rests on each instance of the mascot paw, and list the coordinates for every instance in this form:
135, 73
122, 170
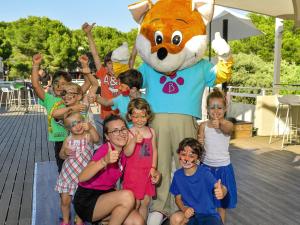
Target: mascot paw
220, 46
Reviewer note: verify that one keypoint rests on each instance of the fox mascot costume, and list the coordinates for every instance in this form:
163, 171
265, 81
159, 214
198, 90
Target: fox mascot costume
172, 41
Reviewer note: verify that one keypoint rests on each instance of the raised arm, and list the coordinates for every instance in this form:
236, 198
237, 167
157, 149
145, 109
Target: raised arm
36, 61
87, 28
132, 57
92, 132
226, 126
59, 113
104, 101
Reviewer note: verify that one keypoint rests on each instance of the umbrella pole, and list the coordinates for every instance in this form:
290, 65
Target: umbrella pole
209, 42
225, 37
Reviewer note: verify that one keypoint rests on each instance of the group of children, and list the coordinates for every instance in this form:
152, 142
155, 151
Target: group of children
203, 188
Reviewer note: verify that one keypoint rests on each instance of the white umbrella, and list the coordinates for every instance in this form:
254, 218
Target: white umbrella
285, 9
233, 25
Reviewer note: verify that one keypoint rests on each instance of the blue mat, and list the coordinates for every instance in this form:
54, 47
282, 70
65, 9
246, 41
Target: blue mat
46, 201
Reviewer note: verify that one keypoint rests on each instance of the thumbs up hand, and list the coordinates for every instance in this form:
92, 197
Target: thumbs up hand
111, 156
220, 190
220, 46
138, 137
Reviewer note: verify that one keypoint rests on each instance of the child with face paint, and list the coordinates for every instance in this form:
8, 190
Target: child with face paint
77, 150
141, 175
56, 132
214, 135
130, 84
195, 188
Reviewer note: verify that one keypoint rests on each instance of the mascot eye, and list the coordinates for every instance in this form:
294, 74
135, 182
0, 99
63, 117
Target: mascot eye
158, 37
176, 38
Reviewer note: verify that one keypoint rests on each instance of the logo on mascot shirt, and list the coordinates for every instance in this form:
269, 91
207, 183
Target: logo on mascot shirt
171, 87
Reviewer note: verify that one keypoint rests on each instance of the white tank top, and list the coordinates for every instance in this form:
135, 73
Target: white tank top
216, 145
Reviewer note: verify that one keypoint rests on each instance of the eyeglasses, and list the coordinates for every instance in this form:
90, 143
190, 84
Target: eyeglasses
118, 132
74, 123
68, 94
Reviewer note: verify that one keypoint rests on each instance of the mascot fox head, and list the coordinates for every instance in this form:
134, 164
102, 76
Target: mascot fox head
172, 34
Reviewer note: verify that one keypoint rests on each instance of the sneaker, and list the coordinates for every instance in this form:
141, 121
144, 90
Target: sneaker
156, 218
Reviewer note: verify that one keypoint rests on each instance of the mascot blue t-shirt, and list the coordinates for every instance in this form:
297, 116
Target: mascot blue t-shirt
180, 93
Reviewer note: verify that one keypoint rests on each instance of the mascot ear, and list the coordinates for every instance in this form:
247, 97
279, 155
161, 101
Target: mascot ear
205, 8
139, 9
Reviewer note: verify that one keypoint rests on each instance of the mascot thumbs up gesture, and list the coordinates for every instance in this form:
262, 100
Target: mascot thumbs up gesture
172, 41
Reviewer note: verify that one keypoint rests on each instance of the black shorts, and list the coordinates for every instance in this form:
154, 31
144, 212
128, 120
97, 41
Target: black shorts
85, 201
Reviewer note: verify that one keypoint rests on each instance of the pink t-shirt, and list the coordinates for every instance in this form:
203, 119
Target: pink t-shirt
106, 178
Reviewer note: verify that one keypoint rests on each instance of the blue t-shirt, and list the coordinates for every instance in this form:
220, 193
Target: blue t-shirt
180, 93
197, 191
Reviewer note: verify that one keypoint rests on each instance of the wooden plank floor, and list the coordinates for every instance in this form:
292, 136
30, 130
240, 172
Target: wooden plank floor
268, 180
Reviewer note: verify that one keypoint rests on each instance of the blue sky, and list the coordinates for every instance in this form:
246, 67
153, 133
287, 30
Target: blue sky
73, 13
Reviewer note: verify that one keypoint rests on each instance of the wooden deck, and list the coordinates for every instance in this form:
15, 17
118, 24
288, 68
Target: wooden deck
268, 179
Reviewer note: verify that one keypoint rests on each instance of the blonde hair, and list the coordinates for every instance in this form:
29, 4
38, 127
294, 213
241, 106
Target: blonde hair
141, 104
77, 87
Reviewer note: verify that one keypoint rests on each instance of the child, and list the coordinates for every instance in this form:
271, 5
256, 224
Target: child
77, 151
140, 174
130, 84
57, 133
195, 188
72, 95
214, 134
114, 63
96, 198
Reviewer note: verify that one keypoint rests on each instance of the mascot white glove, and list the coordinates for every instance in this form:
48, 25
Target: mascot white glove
220, 46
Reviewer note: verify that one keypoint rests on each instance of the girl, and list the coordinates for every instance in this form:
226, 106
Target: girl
77, 150
214, 134
56, 132
195, 188
96, 198
141, 174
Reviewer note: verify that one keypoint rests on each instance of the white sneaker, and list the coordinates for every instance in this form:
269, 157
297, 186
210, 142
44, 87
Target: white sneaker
155, 218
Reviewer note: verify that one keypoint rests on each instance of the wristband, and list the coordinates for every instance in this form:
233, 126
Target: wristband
35, 66
153, 167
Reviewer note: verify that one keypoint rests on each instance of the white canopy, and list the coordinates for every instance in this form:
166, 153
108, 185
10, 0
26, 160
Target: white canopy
239, 25
285, 9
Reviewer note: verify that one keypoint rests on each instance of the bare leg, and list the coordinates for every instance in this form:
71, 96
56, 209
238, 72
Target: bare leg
65, 203
143, 210
178, 219
134, 218
222, 212
117, 203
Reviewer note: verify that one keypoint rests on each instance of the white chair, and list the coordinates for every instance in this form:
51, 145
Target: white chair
289, 102
8, 93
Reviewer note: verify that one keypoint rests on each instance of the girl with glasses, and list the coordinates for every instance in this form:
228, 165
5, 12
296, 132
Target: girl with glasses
214, 135
141, 173
77, 150
96, 198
